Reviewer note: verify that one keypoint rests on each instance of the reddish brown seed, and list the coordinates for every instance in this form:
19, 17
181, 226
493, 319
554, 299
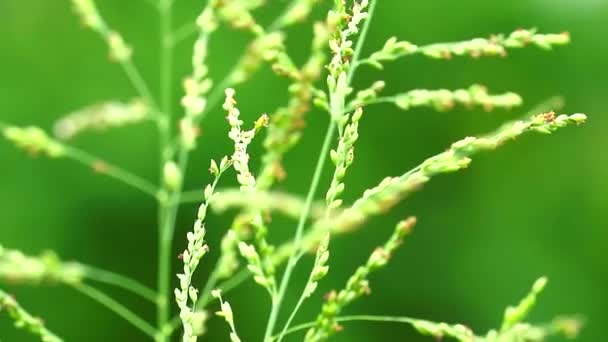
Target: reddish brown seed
549, 116
99, 166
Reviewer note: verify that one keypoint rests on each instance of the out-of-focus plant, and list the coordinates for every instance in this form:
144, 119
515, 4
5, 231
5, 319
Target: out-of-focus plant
335, 56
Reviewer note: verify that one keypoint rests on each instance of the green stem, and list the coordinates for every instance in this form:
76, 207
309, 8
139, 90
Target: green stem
164, 269
166, 78
114, 279
277, 301
235, 281
279, 22
184, 32
117, 308
138, 83
192, 196
209, 286
294, 258
104, 167
369, 318
361, 41
292, 316
133, 74
167, 207
110, 170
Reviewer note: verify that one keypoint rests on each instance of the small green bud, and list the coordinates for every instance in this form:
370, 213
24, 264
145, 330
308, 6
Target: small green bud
578, 118
357, 115
208, 192
335, 204
403, 102
321, 103
558, 39
172, 176
234, 337
193, 293
198, 320
217, 293
202, 212
333, 155
119, 50
213, 168
262, 122
225, 163
539, 285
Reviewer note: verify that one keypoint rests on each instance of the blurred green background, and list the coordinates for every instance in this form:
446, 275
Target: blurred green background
536, 207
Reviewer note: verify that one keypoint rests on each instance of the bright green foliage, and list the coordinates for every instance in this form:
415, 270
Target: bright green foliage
334, 57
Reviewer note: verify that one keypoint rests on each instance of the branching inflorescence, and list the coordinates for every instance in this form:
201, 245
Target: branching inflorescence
24, 320
335, 56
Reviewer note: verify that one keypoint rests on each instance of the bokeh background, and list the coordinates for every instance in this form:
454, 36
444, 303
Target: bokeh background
536, 207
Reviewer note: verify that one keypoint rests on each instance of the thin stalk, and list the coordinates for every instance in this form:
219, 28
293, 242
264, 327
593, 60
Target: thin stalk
169, 209
118, 280
235, 281
117, 308
133, 74
104, 167
209, 286
226, 286
167, 206
368, 318
294, 258
192, 196
277, 300
279, 23
139, 83
184, 32
166, 78
292, 316
361, 41
110, 170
